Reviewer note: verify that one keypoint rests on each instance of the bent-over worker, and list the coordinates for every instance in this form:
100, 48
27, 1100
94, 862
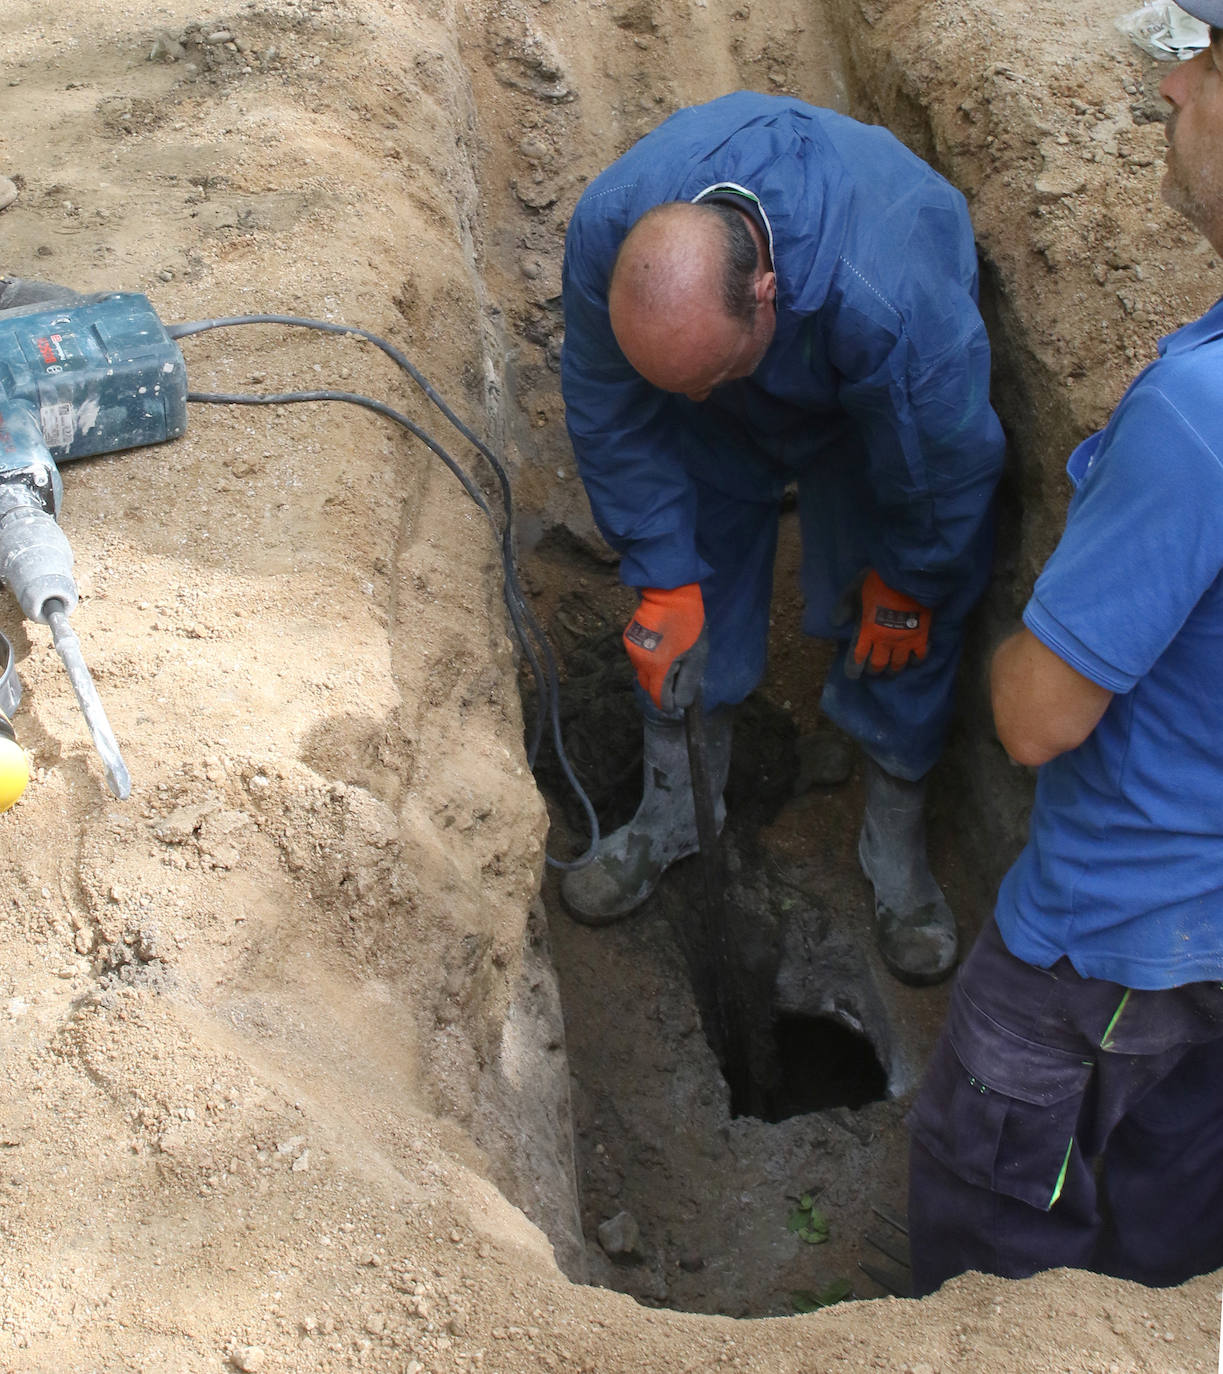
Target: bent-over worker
762, 292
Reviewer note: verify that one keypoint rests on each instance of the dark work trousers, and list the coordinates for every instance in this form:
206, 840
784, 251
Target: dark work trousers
1068, 1121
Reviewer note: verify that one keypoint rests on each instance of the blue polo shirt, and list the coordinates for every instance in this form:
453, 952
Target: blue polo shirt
1123, 869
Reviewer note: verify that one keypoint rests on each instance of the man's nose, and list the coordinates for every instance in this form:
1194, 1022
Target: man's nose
1174, 86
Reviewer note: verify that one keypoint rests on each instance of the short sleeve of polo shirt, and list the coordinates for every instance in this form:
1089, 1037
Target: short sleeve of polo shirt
1143, 539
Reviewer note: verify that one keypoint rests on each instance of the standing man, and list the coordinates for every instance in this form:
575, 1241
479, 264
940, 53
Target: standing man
1073, 1109
761, 292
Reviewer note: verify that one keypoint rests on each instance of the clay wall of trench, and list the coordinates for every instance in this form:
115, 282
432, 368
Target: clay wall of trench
281, 1034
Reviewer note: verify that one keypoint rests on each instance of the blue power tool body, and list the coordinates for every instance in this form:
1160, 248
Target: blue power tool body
99, 375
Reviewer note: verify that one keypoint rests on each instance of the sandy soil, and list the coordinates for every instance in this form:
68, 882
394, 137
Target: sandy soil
286, 1085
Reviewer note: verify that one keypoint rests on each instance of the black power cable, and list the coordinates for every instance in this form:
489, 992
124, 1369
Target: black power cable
529, 633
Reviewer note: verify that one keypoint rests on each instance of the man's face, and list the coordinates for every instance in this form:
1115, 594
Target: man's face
1193, 181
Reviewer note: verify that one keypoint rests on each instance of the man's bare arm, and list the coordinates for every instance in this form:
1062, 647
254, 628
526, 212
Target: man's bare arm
1042, 706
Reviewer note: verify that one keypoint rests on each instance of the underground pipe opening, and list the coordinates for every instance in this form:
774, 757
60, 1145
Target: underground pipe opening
821, 1063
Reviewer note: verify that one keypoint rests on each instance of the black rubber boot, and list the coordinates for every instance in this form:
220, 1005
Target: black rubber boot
915, 930
631, 860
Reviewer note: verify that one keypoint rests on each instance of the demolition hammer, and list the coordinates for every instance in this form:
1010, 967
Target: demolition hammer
77, 380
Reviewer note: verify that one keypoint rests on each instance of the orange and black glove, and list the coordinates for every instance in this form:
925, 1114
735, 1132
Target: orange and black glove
894, 630
667, 644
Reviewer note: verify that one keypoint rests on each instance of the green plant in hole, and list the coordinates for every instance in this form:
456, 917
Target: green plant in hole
807, 1221
837, 1290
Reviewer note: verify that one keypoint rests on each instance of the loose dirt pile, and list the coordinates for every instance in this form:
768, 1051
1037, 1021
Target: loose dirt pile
285, 1071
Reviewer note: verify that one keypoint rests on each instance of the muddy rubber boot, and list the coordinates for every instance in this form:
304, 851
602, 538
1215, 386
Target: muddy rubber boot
631, 860
915, 930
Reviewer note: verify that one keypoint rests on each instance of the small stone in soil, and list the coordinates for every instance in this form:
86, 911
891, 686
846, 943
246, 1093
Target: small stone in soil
619, 1235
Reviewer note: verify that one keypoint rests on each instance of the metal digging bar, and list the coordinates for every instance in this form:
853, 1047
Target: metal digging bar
731, 1029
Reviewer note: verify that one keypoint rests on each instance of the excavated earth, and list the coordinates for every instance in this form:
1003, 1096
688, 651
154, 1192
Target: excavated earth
306, 1069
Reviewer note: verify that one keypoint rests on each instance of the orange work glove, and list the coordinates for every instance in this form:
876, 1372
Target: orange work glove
894, 630
667, 644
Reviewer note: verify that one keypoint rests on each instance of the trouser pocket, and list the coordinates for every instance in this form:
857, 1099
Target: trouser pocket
1000, 1111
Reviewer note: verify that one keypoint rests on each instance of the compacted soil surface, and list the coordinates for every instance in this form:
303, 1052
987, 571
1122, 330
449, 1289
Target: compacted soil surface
305, 1068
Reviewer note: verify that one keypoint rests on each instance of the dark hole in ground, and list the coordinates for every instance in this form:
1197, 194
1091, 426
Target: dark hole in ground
821, 1063
777, 1062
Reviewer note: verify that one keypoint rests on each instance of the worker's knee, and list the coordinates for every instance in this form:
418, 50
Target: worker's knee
1002, 1112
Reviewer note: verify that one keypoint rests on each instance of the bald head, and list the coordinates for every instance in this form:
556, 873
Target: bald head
690, 306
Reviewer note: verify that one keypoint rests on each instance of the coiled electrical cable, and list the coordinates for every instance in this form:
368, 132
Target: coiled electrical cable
527, 630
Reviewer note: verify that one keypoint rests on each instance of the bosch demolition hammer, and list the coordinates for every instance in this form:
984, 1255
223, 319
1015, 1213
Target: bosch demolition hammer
76, 380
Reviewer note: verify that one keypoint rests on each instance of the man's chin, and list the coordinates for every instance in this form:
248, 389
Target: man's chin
1173, 194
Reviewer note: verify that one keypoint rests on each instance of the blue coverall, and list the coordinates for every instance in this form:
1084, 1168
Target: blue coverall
873, 397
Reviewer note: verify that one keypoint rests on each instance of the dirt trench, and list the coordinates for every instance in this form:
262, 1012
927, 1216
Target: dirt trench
288, 1068
704, 1187
688, 1199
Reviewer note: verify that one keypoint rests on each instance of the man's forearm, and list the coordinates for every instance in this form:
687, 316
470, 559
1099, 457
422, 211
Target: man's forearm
1042, 706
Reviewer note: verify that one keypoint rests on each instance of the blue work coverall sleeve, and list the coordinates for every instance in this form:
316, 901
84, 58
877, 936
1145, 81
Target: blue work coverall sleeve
640, 496
915, 381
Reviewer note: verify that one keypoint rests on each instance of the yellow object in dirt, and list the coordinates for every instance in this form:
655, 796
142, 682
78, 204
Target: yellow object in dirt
14, 765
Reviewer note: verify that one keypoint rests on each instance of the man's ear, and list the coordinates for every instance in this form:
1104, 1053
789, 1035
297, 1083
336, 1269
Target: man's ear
766, 288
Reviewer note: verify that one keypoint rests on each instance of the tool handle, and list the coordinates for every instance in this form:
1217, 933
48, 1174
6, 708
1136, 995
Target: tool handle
702, 796
731, 1030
